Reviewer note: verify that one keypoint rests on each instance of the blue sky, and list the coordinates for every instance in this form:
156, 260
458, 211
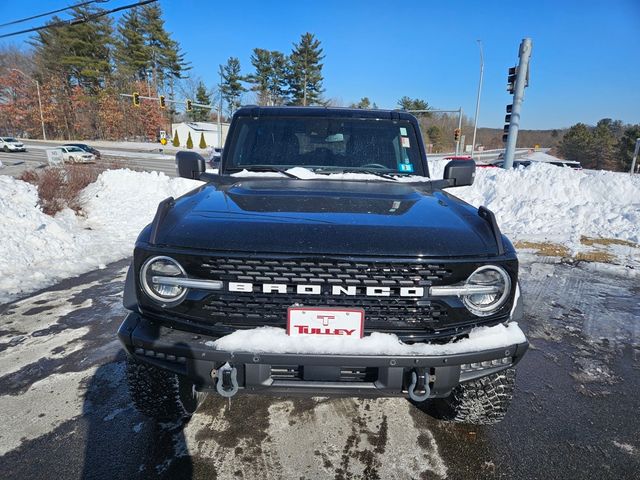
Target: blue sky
585, 64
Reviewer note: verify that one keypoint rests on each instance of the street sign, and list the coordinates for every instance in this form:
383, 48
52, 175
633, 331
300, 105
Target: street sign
54, 157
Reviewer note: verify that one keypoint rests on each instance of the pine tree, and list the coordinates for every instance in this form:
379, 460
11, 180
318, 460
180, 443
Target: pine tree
166, 60
81, 52
176, 140
627, 145
278, 84
189, 141
132, 54
199, 114
406, 103
202, 144
603, 146
305, 72
261, 61
231, 87
576, 144
363, 103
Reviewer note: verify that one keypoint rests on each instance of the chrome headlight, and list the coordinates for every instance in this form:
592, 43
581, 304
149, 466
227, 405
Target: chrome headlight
483, 293
159, 278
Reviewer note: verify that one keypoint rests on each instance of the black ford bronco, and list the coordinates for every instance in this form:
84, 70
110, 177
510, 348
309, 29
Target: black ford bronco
323, 260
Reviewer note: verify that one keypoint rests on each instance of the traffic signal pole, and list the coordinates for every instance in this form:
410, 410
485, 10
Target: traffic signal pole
521, 81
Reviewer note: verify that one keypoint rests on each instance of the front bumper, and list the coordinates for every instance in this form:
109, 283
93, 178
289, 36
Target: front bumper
186, 353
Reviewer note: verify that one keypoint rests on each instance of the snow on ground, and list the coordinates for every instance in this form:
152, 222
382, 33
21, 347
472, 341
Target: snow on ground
37, 250
276, 340
545, 203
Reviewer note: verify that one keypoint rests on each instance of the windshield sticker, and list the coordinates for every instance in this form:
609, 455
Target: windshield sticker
403, 131
405, 167
405, 142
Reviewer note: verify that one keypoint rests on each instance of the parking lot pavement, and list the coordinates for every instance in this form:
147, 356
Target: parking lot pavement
64, 405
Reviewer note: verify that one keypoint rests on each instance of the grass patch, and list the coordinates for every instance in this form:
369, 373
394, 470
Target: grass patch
595, 256
546, 249
590, 241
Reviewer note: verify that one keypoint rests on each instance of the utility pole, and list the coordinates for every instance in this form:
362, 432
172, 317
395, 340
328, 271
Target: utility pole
459, 130
44, 133
521, 81
635, 156
475, 121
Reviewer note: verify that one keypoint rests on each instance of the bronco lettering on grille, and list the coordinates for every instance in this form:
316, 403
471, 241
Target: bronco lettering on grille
335, 290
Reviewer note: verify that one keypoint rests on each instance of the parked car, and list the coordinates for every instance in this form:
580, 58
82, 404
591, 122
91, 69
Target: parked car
459, 157
214, 157
71, 154
516, 164
231, 282
86, 148
10, 144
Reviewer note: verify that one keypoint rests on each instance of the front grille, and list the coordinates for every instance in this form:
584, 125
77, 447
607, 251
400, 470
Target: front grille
249, 309
411, 318
342, 374
325, 272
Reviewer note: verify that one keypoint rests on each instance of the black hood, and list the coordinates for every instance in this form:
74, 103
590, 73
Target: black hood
326, 217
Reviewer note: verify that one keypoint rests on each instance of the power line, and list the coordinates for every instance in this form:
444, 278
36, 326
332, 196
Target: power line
51, 12
77, 21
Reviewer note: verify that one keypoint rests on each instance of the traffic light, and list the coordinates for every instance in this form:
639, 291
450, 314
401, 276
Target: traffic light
456, 134
136, 99
163, 103
507, 121
189, 107
511, 79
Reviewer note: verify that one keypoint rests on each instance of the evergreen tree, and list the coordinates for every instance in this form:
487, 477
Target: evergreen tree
363, 103
260, 79
199, 114
166, 60
278, 83
603, 145
305, 72
627, 145
269, 79
576, 144
406, 103
81, 52
132, 54
435, 137
231, 87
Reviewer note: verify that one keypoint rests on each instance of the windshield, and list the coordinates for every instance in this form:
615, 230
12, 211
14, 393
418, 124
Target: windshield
326, 144
10, 140
74, 149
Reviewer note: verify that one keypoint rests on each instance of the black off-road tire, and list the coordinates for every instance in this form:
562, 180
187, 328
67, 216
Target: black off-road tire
479, 402
160, 394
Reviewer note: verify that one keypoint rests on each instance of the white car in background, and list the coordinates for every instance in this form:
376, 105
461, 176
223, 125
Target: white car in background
10, 144
76, 155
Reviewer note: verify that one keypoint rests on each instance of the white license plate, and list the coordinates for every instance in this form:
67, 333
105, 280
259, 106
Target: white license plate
325, 322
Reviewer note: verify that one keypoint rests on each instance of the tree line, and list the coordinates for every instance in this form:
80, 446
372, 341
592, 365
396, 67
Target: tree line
81, 69
608, 145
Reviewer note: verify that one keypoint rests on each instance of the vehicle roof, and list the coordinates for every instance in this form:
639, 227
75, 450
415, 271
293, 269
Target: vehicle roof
319, 111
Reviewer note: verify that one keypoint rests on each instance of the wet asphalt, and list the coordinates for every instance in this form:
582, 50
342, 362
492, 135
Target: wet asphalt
65, 410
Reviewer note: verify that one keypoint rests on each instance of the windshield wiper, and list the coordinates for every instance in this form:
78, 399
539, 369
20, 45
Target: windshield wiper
262, 168
370, 172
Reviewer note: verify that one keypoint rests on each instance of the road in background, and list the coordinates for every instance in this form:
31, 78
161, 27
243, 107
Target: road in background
149, 157
64, 405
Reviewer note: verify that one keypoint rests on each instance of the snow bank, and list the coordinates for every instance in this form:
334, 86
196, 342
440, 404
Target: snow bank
37, 250
556, 204
276, 340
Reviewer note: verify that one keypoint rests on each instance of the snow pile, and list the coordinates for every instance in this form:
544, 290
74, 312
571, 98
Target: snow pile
37, 250
556, 204
276, 340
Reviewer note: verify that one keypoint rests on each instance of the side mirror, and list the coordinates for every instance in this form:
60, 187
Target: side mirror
460, 173
190, 165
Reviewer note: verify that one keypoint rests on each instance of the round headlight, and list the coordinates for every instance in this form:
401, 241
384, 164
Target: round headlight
155, 278
483, 304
